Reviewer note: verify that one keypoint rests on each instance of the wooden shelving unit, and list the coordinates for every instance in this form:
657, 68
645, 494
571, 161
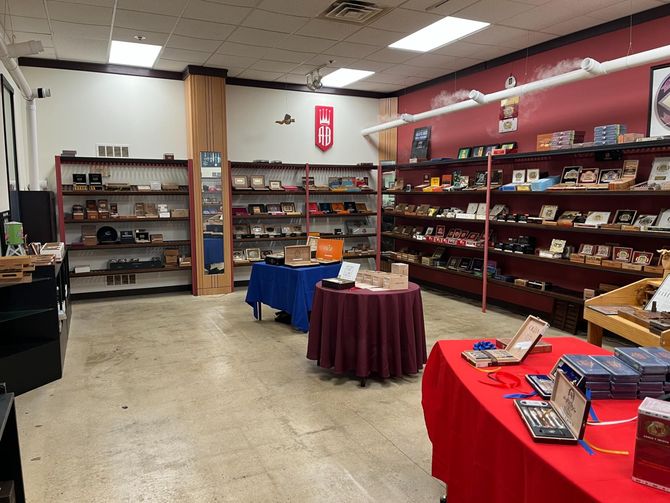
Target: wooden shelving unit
135, 172
564, 275
113, 272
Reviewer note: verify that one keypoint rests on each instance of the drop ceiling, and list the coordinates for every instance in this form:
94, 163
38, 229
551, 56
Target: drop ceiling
282, 40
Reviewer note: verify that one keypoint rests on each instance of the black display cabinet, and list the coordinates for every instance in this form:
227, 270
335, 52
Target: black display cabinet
37, 213
11, 474
34, 323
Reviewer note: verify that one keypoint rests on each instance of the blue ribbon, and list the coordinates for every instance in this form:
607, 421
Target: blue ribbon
592, 412
586, 448
483, 345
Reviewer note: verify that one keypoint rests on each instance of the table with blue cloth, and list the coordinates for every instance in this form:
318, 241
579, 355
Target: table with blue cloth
289, 289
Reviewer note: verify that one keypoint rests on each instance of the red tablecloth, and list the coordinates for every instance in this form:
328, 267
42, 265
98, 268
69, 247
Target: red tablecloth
483, 451
368, 332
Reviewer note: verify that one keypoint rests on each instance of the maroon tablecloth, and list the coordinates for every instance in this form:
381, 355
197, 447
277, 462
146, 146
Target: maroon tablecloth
368, 332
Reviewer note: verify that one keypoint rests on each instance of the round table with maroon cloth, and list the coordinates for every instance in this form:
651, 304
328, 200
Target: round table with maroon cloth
368, 332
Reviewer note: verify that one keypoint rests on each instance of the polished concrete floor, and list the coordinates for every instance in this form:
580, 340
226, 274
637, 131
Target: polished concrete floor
176, 398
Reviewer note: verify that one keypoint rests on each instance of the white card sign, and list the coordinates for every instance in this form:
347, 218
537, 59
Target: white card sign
349, 271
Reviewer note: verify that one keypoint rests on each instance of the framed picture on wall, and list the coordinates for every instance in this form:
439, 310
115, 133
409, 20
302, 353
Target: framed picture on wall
659, 101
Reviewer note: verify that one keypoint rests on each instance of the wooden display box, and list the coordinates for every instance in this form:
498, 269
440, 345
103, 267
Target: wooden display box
612, 264
298, 256
593, 260
579, 258
624, 296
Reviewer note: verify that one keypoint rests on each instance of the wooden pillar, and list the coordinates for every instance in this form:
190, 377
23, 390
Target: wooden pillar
206, 130
388, 139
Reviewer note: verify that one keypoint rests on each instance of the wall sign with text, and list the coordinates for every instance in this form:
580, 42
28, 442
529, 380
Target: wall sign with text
323, 127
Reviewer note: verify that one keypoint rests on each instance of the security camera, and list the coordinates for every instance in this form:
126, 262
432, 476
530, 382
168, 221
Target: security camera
41, 92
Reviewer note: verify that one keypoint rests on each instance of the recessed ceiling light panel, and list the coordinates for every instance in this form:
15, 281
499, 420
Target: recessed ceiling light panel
439, 33
132, 54
344, 77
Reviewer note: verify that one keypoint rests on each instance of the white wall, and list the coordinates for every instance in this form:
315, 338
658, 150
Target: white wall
20, 132
253, 134
86, 108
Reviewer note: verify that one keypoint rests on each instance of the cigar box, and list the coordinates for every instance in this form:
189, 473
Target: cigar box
171, 257
582, 370
654, 269
652, 445
180, 213
593, 260
298, 256
579, 258
520, 346
561, 419
395, 282
642, 361
631, 267
613, 264
521, 282
275, 259
540, 347
398, 268
337, 283
622, 184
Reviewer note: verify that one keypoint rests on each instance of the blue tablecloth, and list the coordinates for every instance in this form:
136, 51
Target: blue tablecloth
289, 289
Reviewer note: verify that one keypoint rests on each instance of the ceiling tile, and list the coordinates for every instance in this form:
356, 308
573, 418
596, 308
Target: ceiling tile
72, 30
372, 36
447, 9
387, 78
460, 48
405, 21
500, 35
364, 85
493, 11
79, 13
226, 60
234, 71
127, 35
433, 61
387, 55
572, 25
48, 53
546, 16
259, 75
193, 44
203, 29
46, 40
289, 56
98, 3
172, 66
418, 71
351, 50
165, 7
273, 66
193, 57
81, 49
28, 8
292, 78
366, 64
30, 24
322, 28
309, 8
253, 36
337, 61
247, 51
207, 11
144, 21
265, 20
300, 43
621, 9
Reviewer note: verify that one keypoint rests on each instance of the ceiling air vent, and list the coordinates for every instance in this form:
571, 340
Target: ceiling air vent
352, 11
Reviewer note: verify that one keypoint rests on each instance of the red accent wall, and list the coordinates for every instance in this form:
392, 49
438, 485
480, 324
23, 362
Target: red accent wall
619, 98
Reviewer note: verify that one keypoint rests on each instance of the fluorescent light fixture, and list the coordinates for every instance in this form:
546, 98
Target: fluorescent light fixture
439, 33
344, 77
132, 54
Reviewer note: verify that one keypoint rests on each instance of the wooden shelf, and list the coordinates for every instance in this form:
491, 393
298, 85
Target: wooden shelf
107, 272
126, 219
568, 263
302, 192
587, 193
298, 238
443, 245
557, 292
265, 215
434, 219
123, 161
629, 147
445, 193
125, 192
299, 167
162, 244
345, 215
246, 263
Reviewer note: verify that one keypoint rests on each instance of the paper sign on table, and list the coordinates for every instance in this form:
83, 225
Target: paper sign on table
348, 270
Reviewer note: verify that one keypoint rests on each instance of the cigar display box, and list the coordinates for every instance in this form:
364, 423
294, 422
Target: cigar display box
519, 347
338, 283
540, 347
652, 445
585, 372
561, 419
275, 259
298, 256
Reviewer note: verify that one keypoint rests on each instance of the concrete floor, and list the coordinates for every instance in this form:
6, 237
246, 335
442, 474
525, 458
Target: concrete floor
178, 398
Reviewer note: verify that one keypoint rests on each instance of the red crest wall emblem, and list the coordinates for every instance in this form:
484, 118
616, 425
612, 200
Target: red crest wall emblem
323, 127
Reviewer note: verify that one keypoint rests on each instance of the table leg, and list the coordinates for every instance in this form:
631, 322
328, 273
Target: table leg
594, 334
260, 312
364, 381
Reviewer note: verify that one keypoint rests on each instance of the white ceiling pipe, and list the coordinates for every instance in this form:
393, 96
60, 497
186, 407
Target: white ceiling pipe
592, 70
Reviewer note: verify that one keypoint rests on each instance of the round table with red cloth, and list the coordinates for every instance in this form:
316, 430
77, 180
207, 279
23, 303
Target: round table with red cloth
368, 332
483, 451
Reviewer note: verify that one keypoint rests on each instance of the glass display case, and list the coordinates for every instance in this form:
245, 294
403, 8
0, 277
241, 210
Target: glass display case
213, 222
